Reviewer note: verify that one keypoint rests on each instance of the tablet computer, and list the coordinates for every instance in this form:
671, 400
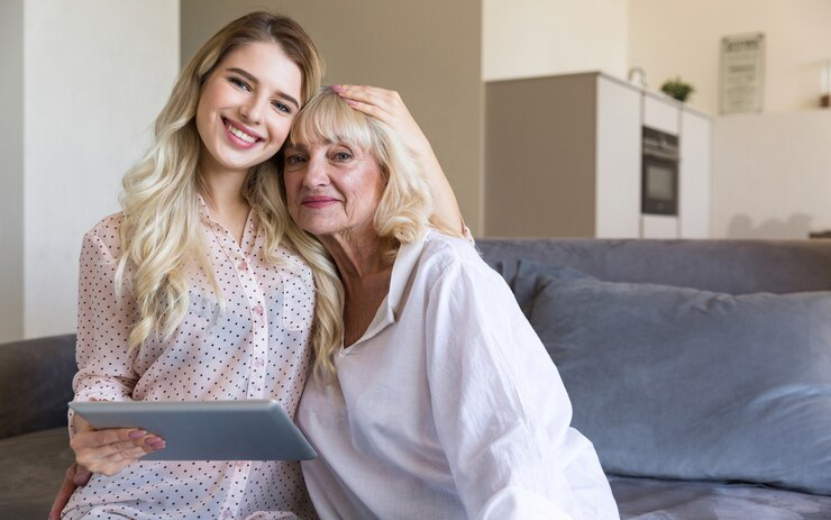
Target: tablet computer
206, 430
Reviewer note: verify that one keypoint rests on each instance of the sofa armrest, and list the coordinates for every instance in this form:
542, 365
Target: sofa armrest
35, 384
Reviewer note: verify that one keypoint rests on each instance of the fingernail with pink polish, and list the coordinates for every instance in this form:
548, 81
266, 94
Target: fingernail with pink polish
154, 442
136, 434
337, 88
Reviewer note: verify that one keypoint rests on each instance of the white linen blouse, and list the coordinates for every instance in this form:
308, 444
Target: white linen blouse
448, 407
255, 347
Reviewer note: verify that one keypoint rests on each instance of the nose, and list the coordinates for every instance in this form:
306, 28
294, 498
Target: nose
252, 110
316, 175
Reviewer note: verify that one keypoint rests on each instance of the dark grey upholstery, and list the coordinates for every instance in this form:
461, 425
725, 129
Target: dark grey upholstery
35, 385
33, 470
730, 266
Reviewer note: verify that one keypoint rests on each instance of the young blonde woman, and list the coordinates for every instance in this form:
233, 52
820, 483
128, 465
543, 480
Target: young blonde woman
202, 288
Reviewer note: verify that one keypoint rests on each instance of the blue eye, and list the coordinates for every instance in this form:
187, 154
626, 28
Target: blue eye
343, 156
295, 159
282, 107
239, 84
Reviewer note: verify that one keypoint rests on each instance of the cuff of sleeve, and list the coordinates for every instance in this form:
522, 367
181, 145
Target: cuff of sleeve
89, 396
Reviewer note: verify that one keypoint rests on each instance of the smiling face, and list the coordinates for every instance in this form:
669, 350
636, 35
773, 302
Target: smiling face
332, 187
246, 106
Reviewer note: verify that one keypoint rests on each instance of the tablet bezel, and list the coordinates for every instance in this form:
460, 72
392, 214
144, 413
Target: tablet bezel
206, 430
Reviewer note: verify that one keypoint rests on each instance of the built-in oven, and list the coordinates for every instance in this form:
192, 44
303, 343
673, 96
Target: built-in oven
659, 194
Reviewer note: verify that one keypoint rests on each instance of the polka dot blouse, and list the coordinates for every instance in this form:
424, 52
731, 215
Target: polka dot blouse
253, 347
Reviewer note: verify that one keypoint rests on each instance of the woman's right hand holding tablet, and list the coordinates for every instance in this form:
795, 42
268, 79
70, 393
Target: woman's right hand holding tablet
111, 450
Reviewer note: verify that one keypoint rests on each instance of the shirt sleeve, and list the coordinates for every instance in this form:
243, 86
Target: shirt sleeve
501, 411
105, 319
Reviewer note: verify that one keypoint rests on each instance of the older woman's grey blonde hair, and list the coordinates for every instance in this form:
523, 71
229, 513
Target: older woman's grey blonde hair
405, 211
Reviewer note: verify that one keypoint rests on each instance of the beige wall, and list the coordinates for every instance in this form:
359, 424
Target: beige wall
11, 171
529, 38
772, 175
428, 50
682, 37
96, 74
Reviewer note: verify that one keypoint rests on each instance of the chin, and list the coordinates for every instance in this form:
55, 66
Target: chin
316, 229
241, 163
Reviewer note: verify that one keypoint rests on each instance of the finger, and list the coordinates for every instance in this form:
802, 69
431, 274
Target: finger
369, 109
90, 438
129, 449
96, 459
386, 100
62, 498
115, 463
363, 91
146, 444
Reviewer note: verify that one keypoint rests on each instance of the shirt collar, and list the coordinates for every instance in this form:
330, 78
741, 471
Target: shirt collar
402, 271
204, 214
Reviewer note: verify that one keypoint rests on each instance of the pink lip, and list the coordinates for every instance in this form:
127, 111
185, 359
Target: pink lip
317, 202
239, 143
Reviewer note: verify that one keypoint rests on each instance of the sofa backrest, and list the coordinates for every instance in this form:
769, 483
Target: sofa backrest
36, 375
35, 384
730, 266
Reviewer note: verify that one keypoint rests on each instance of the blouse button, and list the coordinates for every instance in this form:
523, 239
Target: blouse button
259, 362
243, 266
226, 513
258, 309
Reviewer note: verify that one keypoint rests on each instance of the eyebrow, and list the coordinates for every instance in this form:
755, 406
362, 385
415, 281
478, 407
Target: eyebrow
254, 80
303, 147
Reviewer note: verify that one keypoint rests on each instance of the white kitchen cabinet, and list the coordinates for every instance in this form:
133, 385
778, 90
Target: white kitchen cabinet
617, 160
660, 113
694, 175
563, 159
659, 227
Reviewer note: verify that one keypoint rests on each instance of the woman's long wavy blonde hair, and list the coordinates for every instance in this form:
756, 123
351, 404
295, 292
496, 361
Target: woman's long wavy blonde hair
161, 230
404, 212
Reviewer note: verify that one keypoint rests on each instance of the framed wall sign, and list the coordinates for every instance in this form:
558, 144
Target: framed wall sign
742, 73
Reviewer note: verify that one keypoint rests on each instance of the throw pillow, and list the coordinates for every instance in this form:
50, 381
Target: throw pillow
678, 383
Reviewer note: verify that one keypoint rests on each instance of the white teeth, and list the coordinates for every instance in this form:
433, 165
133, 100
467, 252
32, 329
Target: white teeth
242, 135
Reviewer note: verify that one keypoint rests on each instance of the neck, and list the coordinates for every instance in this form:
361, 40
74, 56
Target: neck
358, 256
366, 278
222, 190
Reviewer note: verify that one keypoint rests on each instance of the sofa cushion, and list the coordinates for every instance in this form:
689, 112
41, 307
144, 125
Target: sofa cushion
33, 470
673, 382
522, 277
652, 499
35, 383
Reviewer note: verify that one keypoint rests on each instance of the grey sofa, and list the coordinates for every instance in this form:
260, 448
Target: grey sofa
35, 375
35, 385
705, 399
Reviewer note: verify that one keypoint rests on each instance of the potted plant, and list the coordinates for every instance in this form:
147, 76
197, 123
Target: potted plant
677, 89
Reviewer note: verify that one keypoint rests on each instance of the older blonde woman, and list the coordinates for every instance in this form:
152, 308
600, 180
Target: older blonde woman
441, 401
